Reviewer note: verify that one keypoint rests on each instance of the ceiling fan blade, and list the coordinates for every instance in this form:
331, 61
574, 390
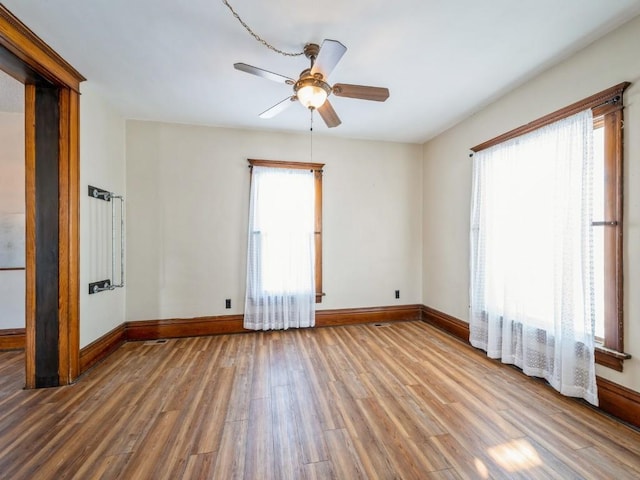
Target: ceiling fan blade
331, 51
277, 108
263, 73
378, 94
329, 115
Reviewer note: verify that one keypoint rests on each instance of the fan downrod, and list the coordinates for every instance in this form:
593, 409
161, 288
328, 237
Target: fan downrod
311, 51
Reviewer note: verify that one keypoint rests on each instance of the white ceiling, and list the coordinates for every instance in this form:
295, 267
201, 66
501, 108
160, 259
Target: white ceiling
442, 60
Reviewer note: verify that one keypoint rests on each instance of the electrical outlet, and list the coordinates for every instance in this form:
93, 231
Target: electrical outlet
397, 293
227, 303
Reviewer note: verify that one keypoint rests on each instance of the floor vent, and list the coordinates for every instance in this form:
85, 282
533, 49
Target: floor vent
155, 342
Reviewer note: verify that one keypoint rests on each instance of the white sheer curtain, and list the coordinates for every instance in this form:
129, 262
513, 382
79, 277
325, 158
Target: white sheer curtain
280, 290
532, 301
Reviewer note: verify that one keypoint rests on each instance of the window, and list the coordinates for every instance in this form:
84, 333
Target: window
606, 108
531, 254
272, 277
284, 254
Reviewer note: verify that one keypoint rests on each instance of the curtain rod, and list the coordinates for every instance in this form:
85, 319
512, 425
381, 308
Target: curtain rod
610, 96
611, 101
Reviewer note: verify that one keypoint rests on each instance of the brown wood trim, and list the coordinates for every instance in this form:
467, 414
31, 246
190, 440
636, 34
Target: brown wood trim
101, 348
589, 102
68, 240
73, 234
610, 358
614, 399
352, 316
30, 234
619, 401
12, 338
607, 360
63, 236
11, 269
284, 164
446, 322
184, 327
317, 174
613, 239
16, 37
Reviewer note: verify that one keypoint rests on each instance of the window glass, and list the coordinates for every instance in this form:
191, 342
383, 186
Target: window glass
598, 232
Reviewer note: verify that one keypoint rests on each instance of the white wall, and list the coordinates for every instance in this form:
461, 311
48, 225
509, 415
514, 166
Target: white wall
102, 164
12, 200
447, 176
188, 190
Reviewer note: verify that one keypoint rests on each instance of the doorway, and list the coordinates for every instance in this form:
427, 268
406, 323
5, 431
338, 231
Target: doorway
51, 108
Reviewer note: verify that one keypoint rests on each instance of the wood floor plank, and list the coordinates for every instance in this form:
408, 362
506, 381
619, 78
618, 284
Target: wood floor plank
367, 444
465, 463
316, 379
608, 465
146, 460
199, 466
107, 467
215, 409
562, 446
318, 471
600, 429
398, 400
287, 451
259, 448
307, 421
230, 460
343, 456
408, 459
261, 384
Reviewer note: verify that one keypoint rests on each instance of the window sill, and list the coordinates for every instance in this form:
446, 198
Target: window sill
610, 358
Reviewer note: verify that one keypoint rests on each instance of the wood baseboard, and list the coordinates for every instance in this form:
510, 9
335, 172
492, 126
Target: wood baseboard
12, 338
352, 316
614, 399
102, 347
184, 327
446, 322
619, 401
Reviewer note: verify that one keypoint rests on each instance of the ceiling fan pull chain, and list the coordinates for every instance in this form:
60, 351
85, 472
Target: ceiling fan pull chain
311, 134
258, 38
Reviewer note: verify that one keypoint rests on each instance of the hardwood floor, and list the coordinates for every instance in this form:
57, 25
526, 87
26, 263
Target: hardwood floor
396, 401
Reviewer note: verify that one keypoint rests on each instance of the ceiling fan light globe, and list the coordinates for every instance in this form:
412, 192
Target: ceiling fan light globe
312, 96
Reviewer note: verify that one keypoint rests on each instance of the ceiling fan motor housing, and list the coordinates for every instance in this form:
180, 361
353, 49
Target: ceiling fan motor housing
306, 79
309, 86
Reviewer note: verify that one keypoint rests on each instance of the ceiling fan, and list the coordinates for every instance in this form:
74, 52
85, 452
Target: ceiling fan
311, 88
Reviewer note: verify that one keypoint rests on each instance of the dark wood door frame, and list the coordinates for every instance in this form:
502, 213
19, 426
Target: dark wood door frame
52, 202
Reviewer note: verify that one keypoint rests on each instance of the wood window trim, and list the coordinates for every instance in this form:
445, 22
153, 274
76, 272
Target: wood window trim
607, 108
611, 352
317, 173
